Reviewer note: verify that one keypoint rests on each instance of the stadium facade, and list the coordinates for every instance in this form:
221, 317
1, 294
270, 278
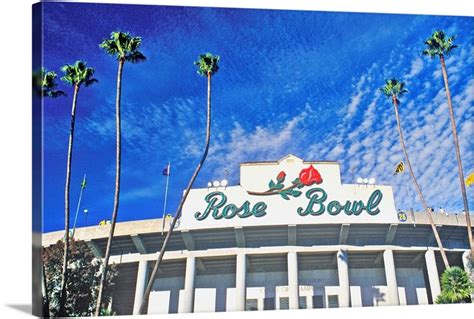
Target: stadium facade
289, 236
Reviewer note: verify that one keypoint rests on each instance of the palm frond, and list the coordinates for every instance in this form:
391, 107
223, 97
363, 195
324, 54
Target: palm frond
439, 44
54, 93
135, 57
77, 74
124, 46
207, 64
393, 88
44, 83
456, 286
90, 82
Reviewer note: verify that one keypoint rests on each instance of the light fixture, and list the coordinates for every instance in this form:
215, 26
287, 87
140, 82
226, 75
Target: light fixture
216, 184
224, 183
371, 181
209, 184
366, 180
360, 180
86, 211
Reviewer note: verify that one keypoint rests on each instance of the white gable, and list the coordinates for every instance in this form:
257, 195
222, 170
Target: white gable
288, 191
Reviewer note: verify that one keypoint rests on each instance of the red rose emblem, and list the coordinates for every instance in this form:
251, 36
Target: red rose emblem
281, 176
309, 176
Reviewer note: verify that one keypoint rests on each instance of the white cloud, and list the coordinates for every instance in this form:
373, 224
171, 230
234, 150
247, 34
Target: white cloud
416, 67
373, 147
262, 143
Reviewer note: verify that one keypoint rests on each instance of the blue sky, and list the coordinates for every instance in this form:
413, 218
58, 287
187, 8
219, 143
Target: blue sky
296, 82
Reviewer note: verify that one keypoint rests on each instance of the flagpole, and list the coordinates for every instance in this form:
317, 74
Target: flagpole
78, 206
166, 197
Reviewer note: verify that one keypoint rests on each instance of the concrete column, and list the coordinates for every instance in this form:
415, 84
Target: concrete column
293, 286
189, 285
240, 285
343, 274
468, 267
432, 271
140, 285
391, 277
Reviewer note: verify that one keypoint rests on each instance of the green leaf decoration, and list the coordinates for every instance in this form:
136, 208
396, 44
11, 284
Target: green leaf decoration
297, 182
278, 186
283, 194
271, 184
295, 192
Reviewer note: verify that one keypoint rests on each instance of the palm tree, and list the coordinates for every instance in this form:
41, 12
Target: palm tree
394, 89
124, 48
207, 66
441, 45
456, 286
75, 75
44, 84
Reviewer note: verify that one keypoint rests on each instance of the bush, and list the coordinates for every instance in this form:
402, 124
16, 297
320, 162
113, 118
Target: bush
456, 286
83, 282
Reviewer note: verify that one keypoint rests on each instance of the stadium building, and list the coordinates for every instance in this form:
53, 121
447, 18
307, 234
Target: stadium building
289, 236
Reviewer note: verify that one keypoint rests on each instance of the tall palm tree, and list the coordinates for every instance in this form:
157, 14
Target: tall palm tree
207, 66
75, 75
394, 89
44, 84
124, 47
441, 45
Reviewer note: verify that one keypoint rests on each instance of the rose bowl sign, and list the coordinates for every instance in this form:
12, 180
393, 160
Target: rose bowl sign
287, 192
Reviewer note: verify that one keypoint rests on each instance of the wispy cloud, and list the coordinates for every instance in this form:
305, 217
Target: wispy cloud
261, 143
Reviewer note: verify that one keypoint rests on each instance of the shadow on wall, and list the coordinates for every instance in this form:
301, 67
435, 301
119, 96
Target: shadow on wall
378, 295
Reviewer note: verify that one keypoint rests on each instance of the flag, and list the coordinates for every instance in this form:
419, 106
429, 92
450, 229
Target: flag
399, 168
470, 180
84, 182
166, 170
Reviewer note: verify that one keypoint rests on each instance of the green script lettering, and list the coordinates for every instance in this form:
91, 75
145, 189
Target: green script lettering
356, 208
211, 199
217, 200
259, 209
245, 208
314, 200
317, 196
374, 200
334, 207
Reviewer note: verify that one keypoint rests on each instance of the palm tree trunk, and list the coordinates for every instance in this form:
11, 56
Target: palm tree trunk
64, 277
418, 190
45, 291
181, 203
458, 156
117, 188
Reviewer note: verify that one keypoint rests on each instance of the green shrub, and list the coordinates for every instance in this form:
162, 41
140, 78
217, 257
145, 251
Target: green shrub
456, 286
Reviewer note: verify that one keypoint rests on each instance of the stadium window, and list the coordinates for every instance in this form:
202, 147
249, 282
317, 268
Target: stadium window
302, 303
269, 304
318, 302
333, 301
284, 303
251, 305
